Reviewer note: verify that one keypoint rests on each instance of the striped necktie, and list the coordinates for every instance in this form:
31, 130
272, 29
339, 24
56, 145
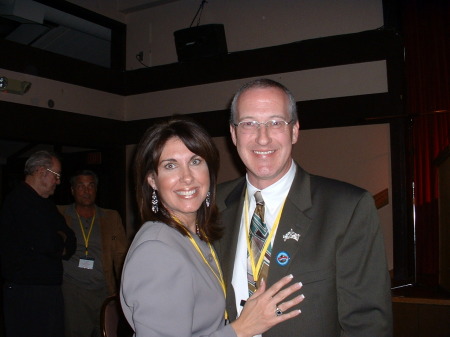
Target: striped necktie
258, 235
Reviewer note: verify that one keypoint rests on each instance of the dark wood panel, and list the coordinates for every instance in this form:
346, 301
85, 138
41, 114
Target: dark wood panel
406, 323
421, 320
402, 205
34, 124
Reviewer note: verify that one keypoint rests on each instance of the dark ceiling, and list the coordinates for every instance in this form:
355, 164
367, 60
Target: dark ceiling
37, 25
47, 28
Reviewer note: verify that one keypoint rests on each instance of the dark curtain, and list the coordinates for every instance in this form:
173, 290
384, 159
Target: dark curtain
426, 31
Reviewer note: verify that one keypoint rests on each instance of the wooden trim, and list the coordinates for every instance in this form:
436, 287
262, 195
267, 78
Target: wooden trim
381, 198
419, 300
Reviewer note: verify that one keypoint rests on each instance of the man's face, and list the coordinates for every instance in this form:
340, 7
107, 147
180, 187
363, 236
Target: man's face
49, 178
265, 153
84, 190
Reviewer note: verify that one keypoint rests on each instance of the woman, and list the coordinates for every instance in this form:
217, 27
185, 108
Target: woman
172, 284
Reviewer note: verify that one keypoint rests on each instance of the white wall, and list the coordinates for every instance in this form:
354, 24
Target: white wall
66, 97
249, 24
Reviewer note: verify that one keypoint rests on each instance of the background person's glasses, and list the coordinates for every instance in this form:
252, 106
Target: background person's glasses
253, 126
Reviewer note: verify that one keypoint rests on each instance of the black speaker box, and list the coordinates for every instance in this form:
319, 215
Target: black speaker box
200, 41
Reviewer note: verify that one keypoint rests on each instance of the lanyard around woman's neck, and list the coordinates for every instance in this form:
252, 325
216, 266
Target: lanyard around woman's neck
219, 275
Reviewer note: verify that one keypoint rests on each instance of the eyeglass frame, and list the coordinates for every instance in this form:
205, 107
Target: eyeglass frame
263, 123
58, 175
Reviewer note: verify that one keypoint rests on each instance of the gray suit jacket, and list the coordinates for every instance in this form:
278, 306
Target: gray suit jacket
339, 257
167, 290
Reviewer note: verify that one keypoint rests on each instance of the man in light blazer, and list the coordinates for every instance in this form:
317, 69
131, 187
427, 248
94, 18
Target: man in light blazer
94, 271
324, 232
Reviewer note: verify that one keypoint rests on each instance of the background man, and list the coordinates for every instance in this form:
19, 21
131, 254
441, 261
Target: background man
93, 272
324, 232
33, 239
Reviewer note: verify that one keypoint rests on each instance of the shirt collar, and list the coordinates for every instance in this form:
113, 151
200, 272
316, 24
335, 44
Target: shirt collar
274, 194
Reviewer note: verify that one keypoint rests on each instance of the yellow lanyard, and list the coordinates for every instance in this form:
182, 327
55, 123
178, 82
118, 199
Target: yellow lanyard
257, 268
216, 260
86, 238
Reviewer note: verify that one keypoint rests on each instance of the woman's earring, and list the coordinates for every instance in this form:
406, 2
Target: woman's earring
154, 202
208, 200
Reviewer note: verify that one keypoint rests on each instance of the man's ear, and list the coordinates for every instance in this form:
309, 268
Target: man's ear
233, 133
295, 132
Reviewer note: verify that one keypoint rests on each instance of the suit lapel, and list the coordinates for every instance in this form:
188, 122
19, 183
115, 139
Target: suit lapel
231, 218
293, 219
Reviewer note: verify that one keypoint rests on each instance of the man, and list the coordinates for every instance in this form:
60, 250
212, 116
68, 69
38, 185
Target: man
324, 232
33, 239
91, 275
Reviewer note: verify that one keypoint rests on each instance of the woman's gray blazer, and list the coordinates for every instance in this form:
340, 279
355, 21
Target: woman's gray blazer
168, 290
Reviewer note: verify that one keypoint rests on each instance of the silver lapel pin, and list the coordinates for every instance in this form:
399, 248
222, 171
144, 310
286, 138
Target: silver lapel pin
291, 235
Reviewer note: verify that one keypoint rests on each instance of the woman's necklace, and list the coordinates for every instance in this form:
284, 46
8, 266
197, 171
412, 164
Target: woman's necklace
197, 231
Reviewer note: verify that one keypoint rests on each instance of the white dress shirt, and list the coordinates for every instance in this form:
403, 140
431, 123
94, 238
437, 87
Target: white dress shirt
274, 197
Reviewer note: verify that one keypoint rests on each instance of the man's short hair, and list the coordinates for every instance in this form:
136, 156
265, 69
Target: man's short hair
39, 159
83, 173
263, 83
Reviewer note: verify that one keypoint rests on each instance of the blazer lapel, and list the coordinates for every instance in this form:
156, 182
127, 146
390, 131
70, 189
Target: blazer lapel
295, 221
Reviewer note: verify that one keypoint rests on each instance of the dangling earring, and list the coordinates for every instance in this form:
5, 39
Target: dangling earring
208, 200
154, 202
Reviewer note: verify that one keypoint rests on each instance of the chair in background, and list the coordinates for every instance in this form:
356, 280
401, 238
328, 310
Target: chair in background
112, 321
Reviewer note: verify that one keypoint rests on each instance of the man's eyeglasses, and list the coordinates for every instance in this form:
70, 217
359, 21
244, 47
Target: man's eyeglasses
57, 175
253, 126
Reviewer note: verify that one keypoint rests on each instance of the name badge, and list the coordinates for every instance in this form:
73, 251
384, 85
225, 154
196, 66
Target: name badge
86, 263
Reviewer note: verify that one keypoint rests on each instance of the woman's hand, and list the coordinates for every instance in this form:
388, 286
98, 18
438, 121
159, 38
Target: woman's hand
265, 308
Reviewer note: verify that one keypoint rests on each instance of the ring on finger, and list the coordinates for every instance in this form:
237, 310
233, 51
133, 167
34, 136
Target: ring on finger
278, 311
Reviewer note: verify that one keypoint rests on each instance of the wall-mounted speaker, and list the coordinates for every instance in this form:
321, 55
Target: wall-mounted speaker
200, 41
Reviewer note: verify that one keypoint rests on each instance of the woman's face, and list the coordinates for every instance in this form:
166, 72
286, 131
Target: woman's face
182, 181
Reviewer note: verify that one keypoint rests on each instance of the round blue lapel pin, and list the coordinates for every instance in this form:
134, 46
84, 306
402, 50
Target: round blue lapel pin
283, 258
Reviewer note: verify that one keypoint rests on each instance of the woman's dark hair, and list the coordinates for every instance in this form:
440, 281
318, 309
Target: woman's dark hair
148, 154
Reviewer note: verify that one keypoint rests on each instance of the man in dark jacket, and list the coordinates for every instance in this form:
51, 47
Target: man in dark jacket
34, 238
